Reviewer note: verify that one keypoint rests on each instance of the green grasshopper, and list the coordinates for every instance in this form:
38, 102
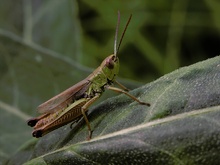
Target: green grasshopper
72, 104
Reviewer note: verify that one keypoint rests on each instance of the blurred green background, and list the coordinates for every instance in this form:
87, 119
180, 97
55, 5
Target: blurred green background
47, 46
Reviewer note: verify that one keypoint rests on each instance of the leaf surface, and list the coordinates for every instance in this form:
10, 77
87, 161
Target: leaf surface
180, 127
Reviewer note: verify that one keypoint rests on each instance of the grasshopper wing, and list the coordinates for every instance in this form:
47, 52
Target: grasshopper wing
65, 98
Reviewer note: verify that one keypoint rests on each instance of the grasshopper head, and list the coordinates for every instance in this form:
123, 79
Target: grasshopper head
110, 66
111, 61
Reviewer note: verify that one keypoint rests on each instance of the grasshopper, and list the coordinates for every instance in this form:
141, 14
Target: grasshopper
72, 104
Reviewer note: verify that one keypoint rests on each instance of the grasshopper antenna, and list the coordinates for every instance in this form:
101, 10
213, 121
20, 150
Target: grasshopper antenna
122, 36
116, 34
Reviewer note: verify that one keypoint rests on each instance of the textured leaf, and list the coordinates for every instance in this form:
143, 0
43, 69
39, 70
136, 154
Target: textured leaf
180, 127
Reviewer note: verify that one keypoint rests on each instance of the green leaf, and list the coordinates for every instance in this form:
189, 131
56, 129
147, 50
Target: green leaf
180, 127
